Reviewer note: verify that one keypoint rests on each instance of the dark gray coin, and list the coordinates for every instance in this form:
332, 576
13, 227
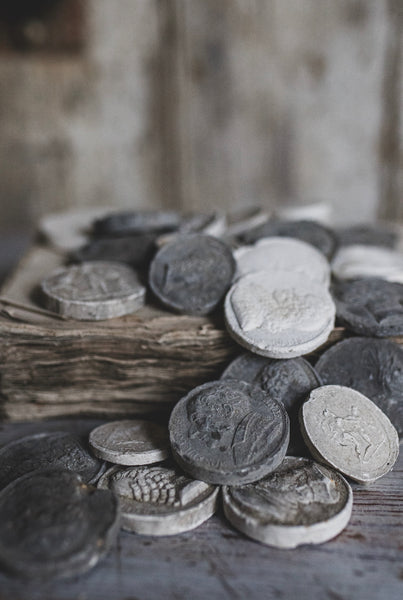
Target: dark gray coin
370, 306
228, 432
371, 366
53, 525
245, 367
308, 231
370, 235
139, 221
191, 274
135, 250
47, 450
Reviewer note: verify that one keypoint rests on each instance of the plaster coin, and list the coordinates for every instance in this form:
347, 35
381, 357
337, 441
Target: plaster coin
245, 367
228, 432
371, 366
368, 235
370, 306
284, 255
191, 274
130, 442
47, 450
53, 525
93, 291
310, 232
347, 431
138, 221
135, 251
312, 210
358, 261
159, 500
301, 502
281, 316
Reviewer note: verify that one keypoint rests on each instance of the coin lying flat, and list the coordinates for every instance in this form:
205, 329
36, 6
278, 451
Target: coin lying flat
284, 255
53, 525
310, 232
207, 224
370, 306
228, 431
130, 442
159, 500
135, 250
93, 291
368, 235
245, 367
371, 366
358, 261
347, 431
138, 221
301, 502
47, 450
280, 316
191, 274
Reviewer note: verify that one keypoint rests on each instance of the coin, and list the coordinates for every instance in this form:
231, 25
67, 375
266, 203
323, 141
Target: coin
191, 274
301, 502
280, 316
285, 255
93, 291
358, 261
135, 250
310, 232
159, 500
347, 431
53, 525
245, 367
369, 235
130, 442
47, 450
370, 306
228, 431
136, 221
371, 366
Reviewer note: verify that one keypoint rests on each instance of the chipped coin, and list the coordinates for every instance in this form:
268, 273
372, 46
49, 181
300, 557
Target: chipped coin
159, 500
130, 442
301, 502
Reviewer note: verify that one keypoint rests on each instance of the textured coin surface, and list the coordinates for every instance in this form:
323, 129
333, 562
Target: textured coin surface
53, 525
130, 442
371, 366
44, 451
301, 502
160, 500
281, 316
135, 251
191, 274
139, 221
368, 235
358, 261
228, 431
310, 232
93, 291
371, 307
347, 431
245, 367
284, 255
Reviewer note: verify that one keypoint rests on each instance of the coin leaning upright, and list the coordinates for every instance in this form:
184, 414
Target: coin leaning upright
228, 432
93, 291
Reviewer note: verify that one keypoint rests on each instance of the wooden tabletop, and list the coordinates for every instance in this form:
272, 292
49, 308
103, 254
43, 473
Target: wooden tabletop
214, 561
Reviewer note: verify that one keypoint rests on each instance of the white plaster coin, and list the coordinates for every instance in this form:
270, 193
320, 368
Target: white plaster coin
358, 260
160, 500
93, 291
286, 255
130, 442
281, 315
347, 431
301, 502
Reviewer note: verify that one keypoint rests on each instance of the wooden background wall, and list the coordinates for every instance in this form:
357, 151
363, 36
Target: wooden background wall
209, 103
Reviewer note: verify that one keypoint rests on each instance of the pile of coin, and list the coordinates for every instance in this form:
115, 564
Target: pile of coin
276, 433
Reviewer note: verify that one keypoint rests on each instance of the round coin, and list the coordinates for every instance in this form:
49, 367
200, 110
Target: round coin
368, 235
301, 502
358, 261
135, 251
139, 221
93, 291
159, 500
371, 307
279, 315
130, 442
53, 525
245, 367
228, 432
371, 366
347, 431
191, 274
47, 450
